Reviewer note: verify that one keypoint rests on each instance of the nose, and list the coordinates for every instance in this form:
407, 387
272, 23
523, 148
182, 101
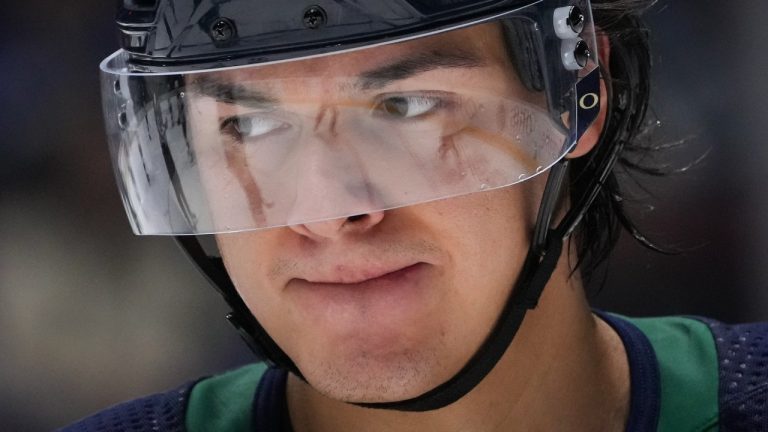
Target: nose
333, 179
335, 228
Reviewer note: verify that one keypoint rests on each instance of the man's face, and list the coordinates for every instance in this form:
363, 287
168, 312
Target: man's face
384, 305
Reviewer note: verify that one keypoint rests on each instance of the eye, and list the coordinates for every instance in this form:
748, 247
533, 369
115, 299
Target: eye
407, 106
251, 126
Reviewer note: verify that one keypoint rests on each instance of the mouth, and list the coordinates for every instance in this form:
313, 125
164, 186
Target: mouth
397, 295
363, 277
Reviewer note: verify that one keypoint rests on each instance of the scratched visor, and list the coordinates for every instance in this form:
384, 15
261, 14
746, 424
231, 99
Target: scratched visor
473, 108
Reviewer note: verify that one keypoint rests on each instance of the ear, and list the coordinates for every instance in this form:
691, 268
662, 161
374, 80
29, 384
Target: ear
589, 138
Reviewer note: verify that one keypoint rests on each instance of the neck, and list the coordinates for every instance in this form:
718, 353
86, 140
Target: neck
565, 370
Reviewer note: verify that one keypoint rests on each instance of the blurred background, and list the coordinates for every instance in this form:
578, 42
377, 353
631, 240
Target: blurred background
91, 315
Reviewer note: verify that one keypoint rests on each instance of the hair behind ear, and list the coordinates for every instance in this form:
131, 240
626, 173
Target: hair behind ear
627, 78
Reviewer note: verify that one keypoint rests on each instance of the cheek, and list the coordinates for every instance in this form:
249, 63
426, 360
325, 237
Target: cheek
484, 238
247, 259
488, 236
489, 228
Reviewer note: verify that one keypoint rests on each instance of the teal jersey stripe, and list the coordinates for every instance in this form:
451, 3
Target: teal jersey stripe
685, 350
224, 402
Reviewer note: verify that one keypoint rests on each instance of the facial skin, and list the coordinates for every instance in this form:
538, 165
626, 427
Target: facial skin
390, 342
398, 336
386, 305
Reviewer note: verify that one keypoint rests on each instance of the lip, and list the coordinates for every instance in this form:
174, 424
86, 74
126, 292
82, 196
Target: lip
370, 302
361, 276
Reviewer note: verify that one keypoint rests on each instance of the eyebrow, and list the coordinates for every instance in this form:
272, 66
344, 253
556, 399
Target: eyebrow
416, 64
238, 94
232, 93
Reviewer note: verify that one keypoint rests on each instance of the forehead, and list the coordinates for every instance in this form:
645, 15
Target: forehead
482, 44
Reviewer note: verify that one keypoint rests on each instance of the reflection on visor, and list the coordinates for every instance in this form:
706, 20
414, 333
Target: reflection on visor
331, 137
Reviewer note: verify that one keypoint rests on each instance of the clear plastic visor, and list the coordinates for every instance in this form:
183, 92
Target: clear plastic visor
333, 136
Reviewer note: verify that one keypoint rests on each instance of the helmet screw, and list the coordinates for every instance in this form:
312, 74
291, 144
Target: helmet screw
581, 53
576, 20
222, 30
575, 54
569, 22
314, 17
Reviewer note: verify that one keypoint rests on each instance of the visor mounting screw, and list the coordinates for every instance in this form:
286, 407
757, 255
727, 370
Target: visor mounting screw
314, 17
576, 54
575, 20
581, 53
222, 30
569, 22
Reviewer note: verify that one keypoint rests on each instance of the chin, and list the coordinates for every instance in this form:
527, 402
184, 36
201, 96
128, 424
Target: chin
376, 378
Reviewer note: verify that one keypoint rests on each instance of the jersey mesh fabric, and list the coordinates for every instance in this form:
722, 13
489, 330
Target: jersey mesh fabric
743, 357
160, 412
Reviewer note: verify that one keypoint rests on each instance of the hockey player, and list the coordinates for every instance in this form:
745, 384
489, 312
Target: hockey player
400, 200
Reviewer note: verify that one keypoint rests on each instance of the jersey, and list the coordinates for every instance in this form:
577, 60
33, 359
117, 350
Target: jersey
686, 374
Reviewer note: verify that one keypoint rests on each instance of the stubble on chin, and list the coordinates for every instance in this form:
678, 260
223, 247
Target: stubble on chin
363, 377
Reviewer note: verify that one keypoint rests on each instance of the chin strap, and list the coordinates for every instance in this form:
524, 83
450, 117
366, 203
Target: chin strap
540, 262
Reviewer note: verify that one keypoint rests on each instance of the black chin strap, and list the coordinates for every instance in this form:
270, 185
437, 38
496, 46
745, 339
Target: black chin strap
540, 262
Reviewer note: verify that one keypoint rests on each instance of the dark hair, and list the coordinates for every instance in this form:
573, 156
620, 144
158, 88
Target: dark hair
628, 77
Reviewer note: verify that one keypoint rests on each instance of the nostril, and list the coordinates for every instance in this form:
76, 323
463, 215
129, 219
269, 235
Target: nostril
356, 218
